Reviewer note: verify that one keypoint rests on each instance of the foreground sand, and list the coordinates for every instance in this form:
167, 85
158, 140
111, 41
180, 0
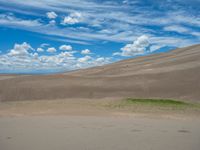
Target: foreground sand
99, 133
90, 125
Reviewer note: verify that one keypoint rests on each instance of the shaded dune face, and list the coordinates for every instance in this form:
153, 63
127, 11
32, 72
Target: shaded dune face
166, 75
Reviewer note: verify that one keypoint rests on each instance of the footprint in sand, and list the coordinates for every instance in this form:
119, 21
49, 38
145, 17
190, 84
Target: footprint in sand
183, 131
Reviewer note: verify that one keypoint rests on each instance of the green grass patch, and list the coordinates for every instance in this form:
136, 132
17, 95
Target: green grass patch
133, 104
154, 102
158, 106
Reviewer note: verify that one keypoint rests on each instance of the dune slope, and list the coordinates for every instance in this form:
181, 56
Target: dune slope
166, 75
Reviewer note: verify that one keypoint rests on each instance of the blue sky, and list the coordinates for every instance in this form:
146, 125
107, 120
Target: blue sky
61, 35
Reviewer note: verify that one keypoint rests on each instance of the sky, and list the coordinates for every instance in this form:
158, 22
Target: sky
48, 36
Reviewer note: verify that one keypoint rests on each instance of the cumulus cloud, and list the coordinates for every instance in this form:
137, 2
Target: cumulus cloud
70, 20
65, 47
88, 61
52, 22
102, 60
139, 46
60, 60
51, 15
40, 49
20, 49
67, 54
84, 59
85, 52
73, 18
35, 55
23, 58
51, 50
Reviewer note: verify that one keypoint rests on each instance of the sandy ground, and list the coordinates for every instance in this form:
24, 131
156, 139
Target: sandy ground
99, 133
90, 125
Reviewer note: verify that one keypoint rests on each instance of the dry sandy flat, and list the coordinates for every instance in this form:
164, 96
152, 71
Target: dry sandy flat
99, 133
85, 124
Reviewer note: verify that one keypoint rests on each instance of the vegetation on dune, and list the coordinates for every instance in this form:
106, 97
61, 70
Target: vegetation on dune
151, 105
159, 102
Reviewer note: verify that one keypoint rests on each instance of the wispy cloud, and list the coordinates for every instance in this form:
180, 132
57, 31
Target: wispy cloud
126, 23
11, 20
104, 21
182, 30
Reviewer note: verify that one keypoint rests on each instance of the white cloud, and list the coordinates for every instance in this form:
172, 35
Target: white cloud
110, 17
51, 50
172, 41
35, 55
20, 49
139, 46
51, 15
65, 47
52, 22
85, 52
27, 60
102, 60
76, 14
40, 49
176, 28
117, 30
10, 19
84, 59
70, 20
73, 18
66, 54
88, 61
43, 45
182, 30
155, 47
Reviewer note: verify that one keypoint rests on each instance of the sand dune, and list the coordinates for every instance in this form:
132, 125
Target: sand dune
166, 75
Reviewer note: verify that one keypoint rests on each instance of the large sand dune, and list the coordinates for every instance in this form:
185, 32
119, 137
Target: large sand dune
166, 75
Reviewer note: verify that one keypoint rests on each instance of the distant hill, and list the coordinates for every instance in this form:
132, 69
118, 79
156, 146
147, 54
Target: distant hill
174, 74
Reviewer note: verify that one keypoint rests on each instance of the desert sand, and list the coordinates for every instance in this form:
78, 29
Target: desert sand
99, 133
85, 124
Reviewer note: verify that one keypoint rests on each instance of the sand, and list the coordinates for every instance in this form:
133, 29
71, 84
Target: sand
173, 75
85, 124
99, 133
